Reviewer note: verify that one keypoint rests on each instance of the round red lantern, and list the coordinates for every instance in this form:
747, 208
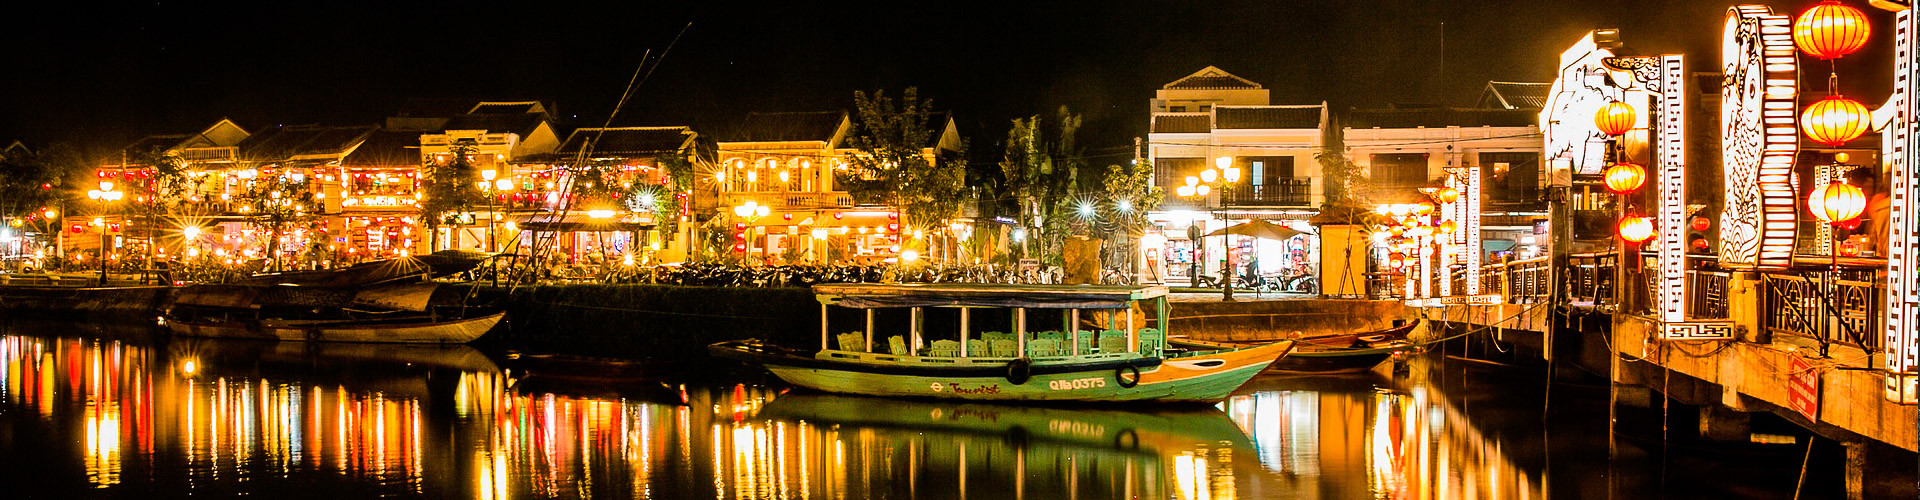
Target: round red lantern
1835, 120
1700, 223
1614, 118
1447, 195
1636, 229
1837, 202
1831, 29
1625, 177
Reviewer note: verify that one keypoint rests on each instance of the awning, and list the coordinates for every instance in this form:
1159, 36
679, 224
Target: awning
867, 295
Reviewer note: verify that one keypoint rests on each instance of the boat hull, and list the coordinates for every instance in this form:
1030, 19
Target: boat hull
1198, 379
458, 331
1333, 361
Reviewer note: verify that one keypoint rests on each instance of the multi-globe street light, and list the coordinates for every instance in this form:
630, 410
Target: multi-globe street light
106, 195
1221, 176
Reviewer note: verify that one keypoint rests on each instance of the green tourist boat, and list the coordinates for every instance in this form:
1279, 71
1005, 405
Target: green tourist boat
1123, 362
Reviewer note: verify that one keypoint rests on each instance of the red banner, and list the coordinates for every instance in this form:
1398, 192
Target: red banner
1803, 387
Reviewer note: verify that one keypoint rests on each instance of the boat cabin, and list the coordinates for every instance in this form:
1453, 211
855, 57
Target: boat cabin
1122, 336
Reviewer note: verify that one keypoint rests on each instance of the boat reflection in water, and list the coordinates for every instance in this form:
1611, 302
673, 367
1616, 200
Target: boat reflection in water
223, 418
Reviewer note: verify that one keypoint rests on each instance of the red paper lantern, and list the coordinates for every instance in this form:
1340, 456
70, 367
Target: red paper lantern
1835, 120
1837, 202
1615, 118
1636, 229
1625, 177
1830, 30
1701, 223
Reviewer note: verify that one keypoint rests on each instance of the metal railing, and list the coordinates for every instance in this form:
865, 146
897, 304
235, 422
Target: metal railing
1386, 286
1591, 278
1285, 192
1831, 308
1520, 282
1707, 294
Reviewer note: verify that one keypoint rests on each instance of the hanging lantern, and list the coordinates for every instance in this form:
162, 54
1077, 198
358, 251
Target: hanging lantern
1448, 227
1830, 30
1835, 120
1615, 118
1837, 202
1636, 229
1447, 195
1700, 223
1625, 177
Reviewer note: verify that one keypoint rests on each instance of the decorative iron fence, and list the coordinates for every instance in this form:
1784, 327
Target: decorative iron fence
1707, 292
1843, 309
1520, 281
1591, 277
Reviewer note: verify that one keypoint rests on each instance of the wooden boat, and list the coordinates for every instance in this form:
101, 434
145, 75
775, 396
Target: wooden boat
1166, 430
395, 312
1358, 352
1118, 364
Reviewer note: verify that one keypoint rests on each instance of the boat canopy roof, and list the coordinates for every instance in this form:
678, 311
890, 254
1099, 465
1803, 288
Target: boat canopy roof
871, 295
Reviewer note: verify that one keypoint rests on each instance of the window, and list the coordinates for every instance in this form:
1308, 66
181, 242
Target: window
1170, 173
1511, 177
1206, 107
1399, 170
1177, 109
1269, 170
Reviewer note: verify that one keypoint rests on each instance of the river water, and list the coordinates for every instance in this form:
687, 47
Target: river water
88, 410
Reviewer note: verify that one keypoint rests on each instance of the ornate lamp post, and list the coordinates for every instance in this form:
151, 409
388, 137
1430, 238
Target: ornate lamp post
1222, 176
492, 186
105, 195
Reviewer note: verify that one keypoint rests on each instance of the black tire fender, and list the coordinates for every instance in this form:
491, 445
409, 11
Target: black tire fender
1019, 371
1121, 379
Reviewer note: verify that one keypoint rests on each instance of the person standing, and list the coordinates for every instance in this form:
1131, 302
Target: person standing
1875, 217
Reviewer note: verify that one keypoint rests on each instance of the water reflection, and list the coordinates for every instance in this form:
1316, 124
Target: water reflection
216, 417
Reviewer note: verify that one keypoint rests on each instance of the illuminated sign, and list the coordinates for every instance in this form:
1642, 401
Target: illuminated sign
1759, 137
1573, 143
1898, 146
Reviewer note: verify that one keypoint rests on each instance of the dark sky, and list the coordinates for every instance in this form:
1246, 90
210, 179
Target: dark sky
101, 75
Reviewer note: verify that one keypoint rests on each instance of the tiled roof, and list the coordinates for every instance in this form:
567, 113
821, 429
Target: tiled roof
386, 148
156, 142
1266, 117
518, 123
285, 142
796, 126
1197, 123
1211, 77
1515, 95
1440, 117
496, 108
627, 140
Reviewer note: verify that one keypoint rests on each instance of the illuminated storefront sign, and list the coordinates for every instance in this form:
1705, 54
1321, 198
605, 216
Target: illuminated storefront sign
1759, 137
1898, 146
1574, 144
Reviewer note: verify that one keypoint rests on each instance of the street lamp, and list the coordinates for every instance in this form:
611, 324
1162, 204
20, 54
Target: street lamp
105, 195
492, 186
1222, 176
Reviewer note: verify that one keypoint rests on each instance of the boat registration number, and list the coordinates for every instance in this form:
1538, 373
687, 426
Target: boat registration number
1078, 383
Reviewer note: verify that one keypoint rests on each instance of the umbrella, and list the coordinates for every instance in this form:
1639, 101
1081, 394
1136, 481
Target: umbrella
1259, 229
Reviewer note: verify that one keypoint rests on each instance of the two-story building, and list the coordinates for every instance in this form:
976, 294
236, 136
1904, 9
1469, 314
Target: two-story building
1404, 150
1211, 119
613, 228
787, 162
496, 137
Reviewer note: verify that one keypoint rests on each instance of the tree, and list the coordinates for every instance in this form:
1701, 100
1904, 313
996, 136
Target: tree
277, 204
889, 165
1041, 174
33, 186
1346, 181
451, 188
1128, 193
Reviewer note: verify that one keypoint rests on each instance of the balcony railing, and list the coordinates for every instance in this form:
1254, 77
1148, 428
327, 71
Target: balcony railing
1520, 281
1591, 275
1707, 294
1831, 308
1291, 192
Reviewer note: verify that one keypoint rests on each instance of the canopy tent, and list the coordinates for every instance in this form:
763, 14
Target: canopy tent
1258, 228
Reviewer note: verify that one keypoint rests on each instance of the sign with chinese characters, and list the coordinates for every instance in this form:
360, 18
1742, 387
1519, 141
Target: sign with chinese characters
1803, 387
1759, 137
1899, 143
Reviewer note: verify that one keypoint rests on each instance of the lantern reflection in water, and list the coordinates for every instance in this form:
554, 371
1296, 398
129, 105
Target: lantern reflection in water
241, 425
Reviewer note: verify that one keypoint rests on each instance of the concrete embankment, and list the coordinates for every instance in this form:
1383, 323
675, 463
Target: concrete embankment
74, 301
1254, 320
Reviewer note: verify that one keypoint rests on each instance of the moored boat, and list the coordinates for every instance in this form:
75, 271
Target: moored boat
1121, 363
356, 306
1351, 353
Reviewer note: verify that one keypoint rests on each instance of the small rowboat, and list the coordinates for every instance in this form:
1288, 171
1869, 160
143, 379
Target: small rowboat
1117, 364
1351, 353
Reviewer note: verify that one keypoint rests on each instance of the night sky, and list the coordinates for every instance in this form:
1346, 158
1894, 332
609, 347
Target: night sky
100, 75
